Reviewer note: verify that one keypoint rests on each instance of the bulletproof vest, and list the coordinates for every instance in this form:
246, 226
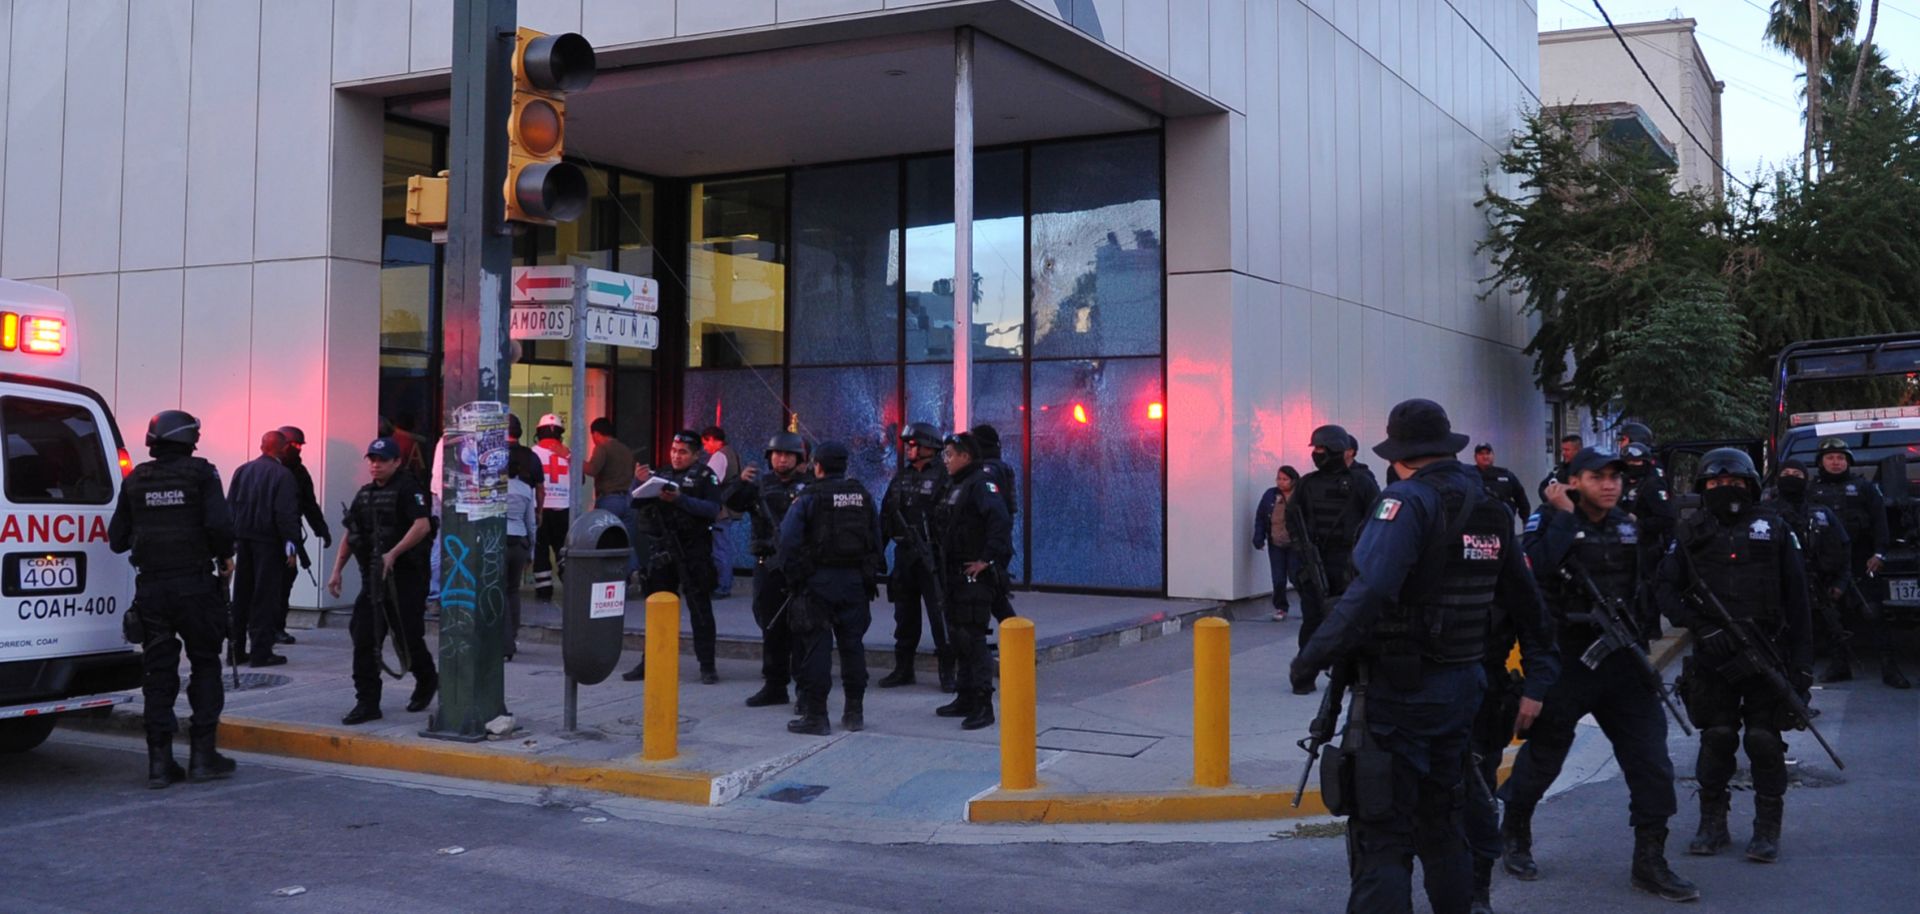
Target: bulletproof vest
169, 516
840, 532
1332, 517
915, 492
1846, 497
1610, 553
1001, 474
665, 519
963, 528
374, 520
1740, 562
1449, 613
776, 496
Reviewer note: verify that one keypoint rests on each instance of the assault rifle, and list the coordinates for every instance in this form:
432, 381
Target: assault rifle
1325, 725
919, 549
384, 600
1311, 561
1755, 656
1617, 632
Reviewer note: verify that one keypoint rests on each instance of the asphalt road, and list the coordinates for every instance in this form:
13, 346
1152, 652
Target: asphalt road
80, 833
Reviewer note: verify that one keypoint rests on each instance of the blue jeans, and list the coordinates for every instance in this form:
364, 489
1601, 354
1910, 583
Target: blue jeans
723, 554
622, 507
1284, 563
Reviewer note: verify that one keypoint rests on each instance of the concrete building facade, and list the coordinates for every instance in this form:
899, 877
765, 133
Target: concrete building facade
1587, 66
1203, 228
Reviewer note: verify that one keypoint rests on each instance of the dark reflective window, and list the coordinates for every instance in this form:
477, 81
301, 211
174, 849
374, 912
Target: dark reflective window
1097, 260
999, 239
736, 272
1097, 467
856, 407
745, 402
999, 396
846, 268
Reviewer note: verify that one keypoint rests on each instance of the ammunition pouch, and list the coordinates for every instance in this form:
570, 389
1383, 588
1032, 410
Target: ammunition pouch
132, 627
1357, 781
804, 616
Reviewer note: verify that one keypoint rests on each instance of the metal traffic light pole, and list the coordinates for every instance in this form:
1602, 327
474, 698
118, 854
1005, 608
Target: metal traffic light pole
479, 257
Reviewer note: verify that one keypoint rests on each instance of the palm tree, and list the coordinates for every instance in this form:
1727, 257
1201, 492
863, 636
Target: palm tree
1808, 30
1859, 65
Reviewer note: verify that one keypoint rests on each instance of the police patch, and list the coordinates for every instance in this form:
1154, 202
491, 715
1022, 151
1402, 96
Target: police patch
1533, 522
1387, 509
1480, 547
1760, 529
993, 488
1629, 534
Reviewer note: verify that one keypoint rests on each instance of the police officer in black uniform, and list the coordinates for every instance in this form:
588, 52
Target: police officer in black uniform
679, 523
1001, 474
1747, 556
172, 515
1431, 563
307, 503
766, 499
1645, 491
830, 542
393, 513
1331, 502
1863, 509
1500, 481
906, 516
1569, 446
1593, 537
976, 542
1827, 551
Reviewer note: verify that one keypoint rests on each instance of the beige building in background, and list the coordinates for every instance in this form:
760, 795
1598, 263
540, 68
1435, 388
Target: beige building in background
1588, 67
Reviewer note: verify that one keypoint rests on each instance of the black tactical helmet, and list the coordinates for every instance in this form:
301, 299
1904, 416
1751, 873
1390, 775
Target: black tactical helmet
831, 456
1636, 431
1836, 445
294, 434
923, 434
1332, 437
789, 442
1728, 461
174, 426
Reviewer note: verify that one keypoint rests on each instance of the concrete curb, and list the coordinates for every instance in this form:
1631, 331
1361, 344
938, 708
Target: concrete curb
1041, 806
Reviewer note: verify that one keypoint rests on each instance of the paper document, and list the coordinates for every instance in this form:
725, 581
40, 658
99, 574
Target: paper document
653, 487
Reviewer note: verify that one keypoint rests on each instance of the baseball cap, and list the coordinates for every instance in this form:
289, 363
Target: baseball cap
1482, 448
552, 419
384, 449
1590, 460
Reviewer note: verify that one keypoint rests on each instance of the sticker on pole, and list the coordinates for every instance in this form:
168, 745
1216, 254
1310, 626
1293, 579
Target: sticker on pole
609, 600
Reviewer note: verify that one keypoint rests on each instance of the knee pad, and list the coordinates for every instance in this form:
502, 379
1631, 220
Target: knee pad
1723, 740
1765, 745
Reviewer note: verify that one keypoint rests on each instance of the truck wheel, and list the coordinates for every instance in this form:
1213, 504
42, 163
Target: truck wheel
20, 734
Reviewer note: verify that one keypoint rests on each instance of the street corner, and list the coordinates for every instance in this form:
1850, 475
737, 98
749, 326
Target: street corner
1042, 806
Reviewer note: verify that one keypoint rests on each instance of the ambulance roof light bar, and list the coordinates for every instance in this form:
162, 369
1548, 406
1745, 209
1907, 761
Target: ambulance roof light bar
31, 334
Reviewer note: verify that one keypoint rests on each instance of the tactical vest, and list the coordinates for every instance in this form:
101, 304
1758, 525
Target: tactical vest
776, 496
169, 516
840, 532
1609, 551
666, 520
916, 491
1332, 517
1447, 602
963, 536
374, 521
1740, 562
1846, 497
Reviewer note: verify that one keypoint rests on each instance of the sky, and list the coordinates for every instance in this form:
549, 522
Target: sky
1760, 109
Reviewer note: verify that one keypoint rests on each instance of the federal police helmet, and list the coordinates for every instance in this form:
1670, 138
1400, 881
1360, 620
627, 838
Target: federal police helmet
1637, 431
174, 426
1836, 445
831, 456
922, 434
1331, 437
1728, 461
788, 442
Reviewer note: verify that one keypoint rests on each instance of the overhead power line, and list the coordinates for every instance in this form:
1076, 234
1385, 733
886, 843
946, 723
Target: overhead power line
1704, 150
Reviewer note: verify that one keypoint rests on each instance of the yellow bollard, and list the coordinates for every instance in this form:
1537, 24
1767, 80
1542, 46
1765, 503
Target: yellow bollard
1212, 761
660, 731
1017, 705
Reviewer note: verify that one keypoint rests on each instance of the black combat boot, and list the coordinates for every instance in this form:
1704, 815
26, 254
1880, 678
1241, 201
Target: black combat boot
812, 720
1890, 672
1712, 836
205, 763
1650, 872
162, 770
1482, 886
852, 718
424, 688
1840, 665
773, 693
638, 673
960, 706
946, 671
902, 671
981, 714
1516, 835
1765, 846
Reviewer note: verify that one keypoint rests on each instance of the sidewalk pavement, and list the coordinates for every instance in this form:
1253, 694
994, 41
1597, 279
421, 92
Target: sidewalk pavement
1111, 723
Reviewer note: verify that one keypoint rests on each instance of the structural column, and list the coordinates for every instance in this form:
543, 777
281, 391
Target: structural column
963, 229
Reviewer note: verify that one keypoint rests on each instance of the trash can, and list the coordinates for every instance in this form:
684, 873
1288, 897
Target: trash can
594, 612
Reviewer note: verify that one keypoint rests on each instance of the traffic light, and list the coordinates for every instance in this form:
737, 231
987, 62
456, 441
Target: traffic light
427, 201
541, 186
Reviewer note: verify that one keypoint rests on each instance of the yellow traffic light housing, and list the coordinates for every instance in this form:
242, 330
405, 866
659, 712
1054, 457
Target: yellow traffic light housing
427, 201
542, 187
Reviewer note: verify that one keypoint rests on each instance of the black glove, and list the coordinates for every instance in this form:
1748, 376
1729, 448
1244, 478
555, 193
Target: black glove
1802, 681
1716, 644
326, 540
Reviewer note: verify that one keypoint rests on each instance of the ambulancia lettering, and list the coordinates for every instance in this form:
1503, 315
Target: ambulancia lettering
53, 528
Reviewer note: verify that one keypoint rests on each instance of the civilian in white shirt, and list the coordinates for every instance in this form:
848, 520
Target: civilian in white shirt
523, 518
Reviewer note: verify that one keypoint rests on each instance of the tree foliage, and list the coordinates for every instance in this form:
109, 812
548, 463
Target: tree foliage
1683, 370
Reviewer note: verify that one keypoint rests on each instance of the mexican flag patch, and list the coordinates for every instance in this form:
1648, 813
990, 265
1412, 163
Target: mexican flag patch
1387, 509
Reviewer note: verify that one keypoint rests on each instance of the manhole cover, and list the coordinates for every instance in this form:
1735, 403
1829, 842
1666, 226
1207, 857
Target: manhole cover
632, 726
255, 681
794, 793
1096, 742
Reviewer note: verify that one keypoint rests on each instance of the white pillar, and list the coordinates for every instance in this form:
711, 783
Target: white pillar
963, 229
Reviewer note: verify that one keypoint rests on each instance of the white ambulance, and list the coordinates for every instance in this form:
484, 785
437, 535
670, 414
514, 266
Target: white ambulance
62, 591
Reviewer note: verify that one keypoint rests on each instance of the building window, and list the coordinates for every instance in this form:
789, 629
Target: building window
737, 273
1098, 463
846, 265
1097, 262
999, 283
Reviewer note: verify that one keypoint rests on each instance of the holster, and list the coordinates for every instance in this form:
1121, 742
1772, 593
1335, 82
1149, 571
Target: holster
132, 627
804, 616
970, 602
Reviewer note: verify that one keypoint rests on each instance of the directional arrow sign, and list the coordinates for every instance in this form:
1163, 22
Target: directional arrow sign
531, 284
623, 328
540, 322
620, 290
